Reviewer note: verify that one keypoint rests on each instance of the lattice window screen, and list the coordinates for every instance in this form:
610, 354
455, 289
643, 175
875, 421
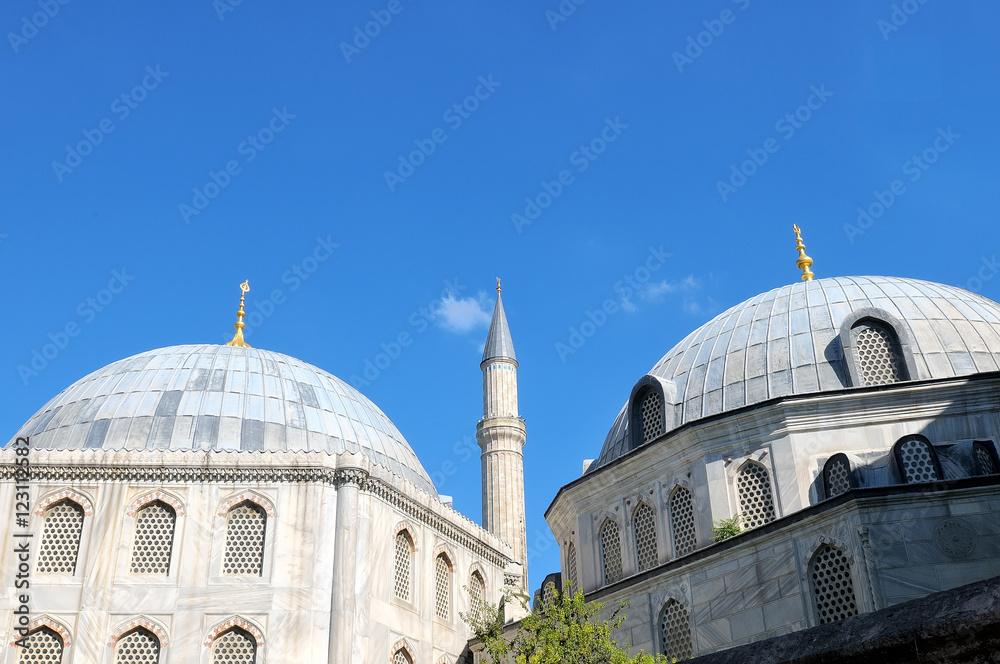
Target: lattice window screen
477, 594
60, 547
675, 631
138, 647
878, 354
246, 526
652, 416
838, 477
832, 588
154, 537
756, 502
442, 586
44, 647
611, 552
234, 646
644, 532
987, 465
682, 521
403, 570
401, 657
571, 566
918, 463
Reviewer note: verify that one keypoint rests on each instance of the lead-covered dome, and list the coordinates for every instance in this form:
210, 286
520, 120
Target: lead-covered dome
787, 341
209, 397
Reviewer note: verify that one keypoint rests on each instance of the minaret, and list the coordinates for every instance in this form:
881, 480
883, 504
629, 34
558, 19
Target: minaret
501, 435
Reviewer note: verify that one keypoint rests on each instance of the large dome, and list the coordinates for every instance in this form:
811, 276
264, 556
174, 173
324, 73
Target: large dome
785, 342
210, 397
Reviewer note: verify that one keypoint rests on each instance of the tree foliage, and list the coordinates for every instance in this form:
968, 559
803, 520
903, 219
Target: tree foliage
726, 528
564, 628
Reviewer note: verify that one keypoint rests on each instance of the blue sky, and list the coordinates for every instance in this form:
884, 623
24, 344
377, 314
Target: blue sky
181, 150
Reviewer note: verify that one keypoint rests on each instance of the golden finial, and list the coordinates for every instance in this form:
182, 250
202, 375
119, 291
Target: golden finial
498, 285
238, 337
804, 262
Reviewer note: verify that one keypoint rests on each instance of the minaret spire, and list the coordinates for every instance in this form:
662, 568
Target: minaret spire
501, 435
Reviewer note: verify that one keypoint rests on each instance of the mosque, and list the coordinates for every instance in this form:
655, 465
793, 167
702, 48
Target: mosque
229, 505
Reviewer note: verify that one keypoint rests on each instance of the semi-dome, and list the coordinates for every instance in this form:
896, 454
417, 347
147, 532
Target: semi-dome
209, 397
787, 342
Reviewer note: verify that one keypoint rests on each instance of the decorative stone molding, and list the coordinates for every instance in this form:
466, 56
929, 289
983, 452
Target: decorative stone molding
236, 621
400, 527
448, 556
403, 645
247, 496
53, 498
476, 568
151, 496
955, 538
350, 476
53, 624
142, 621
810, 548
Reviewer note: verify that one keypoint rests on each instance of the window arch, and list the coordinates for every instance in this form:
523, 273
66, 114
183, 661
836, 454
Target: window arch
878, 354
838, 477
831, 585
477, 593
234, 646
154, 539
917, 460
401, 657
246, 527
61, 531
403, 570
571, 567
44, 646
611, 552
986, 458
644, 534
756, 501
682, 521
675, 631
139, 646
649, 415
442, 586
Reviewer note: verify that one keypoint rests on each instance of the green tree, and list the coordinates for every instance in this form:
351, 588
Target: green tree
726, 528
563, 629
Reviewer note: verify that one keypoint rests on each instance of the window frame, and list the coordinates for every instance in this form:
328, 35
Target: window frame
172, 560
635, 539
602, 558
885, 319
851, 575
672, 521
991, 450
897, 456
225, 540
450, 573
411, 581
659, 624
775, 512
852, 479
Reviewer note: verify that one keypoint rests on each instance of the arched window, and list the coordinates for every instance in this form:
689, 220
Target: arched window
611, 552
917, 460
154, 538
831, 584
644, 533
682, 521
234, 646
878, 353
246, 526
756, 501
675, 631
477, 594
837, 475
986, 458
401, 657
571, 567
442, 586
44, 647
140, 646
651, 414
60, 546
403, 572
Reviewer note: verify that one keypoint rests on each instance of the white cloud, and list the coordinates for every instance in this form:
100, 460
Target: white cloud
654, 291
461, 315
